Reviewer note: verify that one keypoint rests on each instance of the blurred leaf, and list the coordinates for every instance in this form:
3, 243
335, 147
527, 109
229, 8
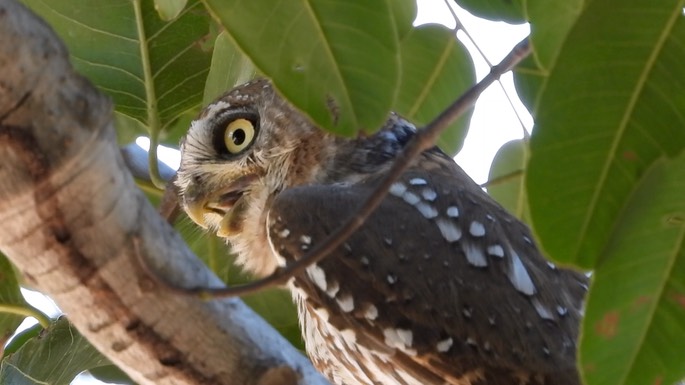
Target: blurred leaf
635, 316
404, 13
230, 67
529, 80
153, 70
509, 167
54, 357
110, 374
436, 70
510, 11
612, 106
19, 339
550, 22
169, 9
9, 295
128, 129
336, 60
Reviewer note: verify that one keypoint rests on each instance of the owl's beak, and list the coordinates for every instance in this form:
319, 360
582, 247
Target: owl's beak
223, 204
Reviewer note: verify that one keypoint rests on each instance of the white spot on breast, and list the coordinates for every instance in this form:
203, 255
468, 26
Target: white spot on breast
518, 275
371, 312
391, 278
318, 276
477, 229
346, 303
429, 194
418, 182
562, 311
333, 288
444, 345
397, 189
411, 198
428, 211
453, 212
284, 233
448, 230
322, 313
496, 251
543, 312
398, 338
474, 255
349, 336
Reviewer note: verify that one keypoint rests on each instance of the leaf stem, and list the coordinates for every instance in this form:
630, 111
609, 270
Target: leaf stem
26, 311
154, 125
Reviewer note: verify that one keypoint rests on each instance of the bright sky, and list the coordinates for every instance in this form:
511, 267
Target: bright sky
494, 121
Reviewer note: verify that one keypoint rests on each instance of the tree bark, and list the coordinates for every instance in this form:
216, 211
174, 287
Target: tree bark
71, 217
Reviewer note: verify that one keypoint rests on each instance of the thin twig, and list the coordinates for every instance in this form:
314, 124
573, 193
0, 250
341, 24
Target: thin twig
423, 140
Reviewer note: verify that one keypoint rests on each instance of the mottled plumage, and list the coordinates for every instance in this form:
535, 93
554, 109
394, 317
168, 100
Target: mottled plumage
440, 286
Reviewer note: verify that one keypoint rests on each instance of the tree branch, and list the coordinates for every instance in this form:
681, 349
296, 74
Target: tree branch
70, 215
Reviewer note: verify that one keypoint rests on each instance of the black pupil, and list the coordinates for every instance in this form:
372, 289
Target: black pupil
238, 137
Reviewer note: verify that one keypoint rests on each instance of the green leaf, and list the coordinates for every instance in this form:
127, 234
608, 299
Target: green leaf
152, 69
230, 67
436, 70
635, 317
404, 13
506, 180
612, 106
510, 11
169, 9
337, 60
550, 22
10, 296
55, 357
110, 374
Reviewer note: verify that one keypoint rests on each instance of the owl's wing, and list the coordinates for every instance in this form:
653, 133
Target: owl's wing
440, 274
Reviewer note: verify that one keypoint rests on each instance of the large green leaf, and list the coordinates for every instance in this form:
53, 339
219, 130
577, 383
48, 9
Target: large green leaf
10, 298
550, 22
634, 326
154, 70
54, 357
506, 183
229, 68
337, 60
436, 70
613, 104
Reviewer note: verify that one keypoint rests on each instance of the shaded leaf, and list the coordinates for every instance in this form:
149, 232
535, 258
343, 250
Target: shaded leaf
230, 67
436, 70
110, 374
54, 357
9, 295
506, 182
153, 70
613, 105
336, 60
510, 11
550, 22
635, 317
169, 9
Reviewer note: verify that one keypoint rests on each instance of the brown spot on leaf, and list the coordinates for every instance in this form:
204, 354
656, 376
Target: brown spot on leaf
658, 381
679, 298
640, 302
608, 325
629, 155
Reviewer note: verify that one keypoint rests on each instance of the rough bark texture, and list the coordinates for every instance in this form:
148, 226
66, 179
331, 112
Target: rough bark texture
70, 215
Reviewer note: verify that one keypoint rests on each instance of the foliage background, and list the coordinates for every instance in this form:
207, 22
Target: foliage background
599, 180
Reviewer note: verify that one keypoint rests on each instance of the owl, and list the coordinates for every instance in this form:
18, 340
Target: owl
439, 286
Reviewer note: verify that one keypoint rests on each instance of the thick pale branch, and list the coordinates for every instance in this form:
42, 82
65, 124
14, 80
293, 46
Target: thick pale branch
70, 216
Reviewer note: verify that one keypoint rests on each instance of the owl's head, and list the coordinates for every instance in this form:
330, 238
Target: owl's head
243, 148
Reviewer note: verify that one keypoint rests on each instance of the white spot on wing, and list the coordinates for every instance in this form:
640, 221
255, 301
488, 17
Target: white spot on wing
429, 194
284, 233
477, 229
411, 198
346, 303
397, 189
543, 312
333, 289
474, 255
371, 312
428, 211
398, 338
496, 251
518, 275
317, 275
306, 240
448, 230
453, 212
444, 345
418, 182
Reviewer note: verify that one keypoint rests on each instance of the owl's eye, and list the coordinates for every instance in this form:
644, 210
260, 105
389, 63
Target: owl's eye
238, 135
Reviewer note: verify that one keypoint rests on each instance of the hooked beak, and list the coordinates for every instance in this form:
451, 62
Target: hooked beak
202, 206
